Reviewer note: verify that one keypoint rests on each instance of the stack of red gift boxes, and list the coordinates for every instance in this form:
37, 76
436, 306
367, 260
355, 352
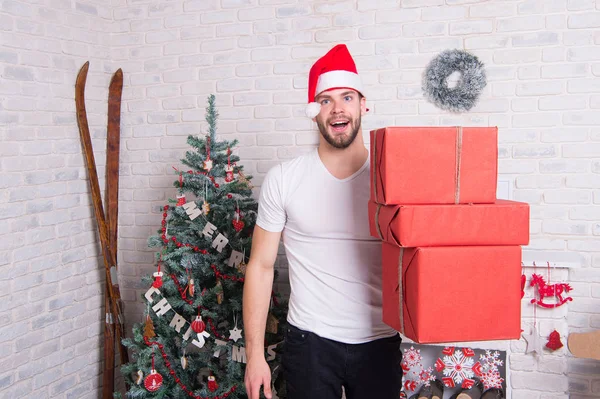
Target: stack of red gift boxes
451, 250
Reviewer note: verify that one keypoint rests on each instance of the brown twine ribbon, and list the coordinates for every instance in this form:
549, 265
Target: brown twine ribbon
375, 165
459, 137
401, 290
379, 233
377, 225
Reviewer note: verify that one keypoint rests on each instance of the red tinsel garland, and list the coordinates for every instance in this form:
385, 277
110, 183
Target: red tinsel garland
178, 381
225, 276
213, 328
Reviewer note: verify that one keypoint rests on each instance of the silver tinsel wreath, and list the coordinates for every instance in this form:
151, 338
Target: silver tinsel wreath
472, 80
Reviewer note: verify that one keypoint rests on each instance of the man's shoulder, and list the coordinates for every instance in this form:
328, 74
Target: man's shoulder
291, 167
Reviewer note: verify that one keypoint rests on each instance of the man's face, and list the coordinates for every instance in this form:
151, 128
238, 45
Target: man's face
340, 116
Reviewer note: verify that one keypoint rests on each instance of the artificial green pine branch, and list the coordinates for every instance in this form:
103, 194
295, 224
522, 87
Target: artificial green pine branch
191, 255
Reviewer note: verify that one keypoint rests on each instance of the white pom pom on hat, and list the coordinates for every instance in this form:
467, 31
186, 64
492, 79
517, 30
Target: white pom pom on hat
335, 70
313, 109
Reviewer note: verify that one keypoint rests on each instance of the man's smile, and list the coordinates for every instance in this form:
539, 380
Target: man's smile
339, 125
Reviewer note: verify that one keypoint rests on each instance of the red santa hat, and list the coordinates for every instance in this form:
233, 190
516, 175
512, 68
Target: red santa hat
335, 70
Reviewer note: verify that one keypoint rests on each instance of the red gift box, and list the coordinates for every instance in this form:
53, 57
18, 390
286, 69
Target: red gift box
434, 165
452, 294
501, 223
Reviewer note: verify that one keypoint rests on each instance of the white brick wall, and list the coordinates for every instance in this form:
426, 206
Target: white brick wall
543, 63
51, 312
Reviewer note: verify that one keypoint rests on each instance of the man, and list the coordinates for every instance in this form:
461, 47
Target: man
335, 335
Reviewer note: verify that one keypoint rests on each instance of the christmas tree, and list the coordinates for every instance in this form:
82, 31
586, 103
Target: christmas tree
191, 344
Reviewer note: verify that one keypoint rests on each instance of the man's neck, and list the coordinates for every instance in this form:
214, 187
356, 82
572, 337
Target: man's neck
343, 163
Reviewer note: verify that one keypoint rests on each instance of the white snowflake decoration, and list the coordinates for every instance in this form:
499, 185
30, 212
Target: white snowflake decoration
492, 379
490, 361
412, 357
456, 367
426, 376
415, 374
411, 364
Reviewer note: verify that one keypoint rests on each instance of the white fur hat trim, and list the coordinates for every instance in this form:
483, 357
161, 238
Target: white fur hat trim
312, 109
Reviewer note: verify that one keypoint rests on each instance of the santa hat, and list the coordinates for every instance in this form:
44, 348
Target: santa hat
335, 70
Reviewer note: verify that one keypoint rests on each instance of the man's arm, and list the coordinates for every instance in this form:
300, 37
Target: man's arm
258, 285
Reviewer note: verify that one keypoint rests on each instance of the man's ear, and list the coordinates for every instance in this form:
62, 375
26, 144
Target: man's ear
363, 106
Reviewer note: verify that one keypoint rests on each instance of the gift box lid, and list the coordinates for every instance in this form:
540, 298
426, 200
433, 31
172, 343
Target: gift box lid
434, 164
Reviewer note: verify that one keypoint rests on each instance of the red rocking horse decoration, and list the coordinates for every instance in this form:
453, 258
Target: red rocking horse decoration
552, 290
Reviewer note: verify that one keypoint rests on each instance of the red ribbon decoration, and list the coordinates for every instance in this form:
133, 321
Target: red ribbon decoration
178, 381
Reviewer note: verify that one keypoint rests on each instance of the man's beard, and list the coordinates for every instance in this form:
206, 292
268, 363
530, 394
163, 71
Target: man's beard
340, 141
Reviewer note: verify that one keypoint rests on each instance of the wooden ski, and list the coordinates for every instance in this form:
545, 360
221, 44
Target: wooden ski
113, 143
106, 228
108, 374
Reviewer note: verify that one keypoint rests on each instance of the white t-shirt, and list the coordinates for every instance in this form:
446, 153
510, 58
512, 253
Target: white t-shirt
334, 263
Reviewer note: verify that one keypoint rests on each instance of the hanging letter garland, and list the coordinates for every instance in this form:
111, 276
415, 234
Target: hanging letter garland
179, 323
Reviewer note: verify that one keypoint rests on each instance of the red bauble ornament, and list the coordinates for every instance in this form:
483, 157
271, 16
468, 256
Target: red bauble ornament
212, 383
554, 341
198, 325
153, 382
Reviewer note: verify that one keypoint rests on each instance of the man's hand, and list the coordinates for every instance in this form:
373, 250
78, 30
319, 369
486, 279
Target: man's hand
258, 373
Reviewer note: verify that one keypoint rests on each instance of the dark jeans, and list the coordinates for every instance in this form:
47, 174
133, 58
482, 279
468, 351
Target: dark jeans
317, 368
